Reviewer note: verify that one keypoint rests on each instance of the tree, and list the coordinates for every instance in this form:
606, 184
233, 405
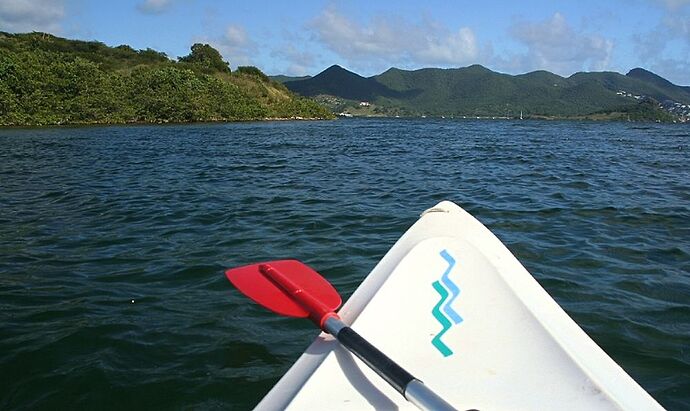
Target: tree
252, 71
207, 57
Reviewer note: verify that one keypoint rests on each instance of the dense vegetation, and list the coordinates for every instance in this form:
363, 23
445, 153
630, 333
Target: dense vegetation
646, 110
478, 91
50, 80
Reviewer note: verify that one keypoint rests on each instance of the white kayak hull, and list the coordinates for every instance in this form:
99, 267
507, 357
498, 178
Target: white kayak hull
454, 307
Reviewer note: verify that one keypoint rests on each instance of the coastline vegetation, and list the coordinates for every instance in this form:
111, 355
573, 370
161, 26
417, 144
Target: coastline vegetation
48, 80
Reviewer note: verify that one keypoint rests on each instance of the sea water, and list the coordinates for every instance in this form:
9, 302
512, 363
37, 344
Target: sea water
113, 243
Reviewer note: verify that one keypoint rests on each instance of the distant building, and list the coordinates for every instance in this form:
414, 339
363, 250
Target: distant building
364, 104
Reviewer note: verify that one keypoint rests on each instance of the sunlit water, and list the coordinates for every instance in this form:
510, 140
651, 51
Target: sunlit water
113, 242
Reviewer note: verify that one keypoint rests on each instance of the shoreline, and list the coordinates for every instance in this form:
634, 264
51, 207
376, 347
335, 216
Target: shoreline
300, 118
160, 123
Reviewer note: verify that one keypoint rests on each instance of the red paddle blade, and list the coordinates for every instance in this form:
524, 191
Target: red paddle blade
281, 286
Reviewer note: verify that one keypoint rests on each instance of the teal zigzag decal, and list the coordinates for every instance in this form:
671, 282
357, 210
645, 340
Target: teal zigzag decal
452, 287
436, 341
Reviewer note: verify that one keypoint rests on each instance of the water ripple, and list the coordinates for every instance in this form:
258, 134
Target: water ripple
113, 241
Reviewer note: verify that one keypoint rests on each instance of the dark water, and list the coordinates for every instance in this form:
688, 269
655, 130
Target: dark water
113, 242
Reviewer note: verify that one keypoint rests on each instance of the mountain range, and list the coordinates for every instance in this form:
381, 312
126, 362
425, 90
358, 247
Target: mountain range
478, 91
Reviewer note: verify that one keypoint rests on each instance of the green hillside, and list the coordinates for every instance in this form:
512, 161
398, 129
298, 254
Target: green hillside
658, 81
337, 81
478, 91
46, 80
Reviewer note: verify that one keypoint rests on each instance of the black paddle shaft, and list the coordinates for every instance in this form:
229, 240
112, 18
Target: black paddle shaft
411, 388
394, 374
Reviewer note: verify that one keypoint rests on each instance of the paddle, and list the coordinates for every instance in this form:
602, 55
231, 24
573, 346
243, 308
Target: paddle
291, 288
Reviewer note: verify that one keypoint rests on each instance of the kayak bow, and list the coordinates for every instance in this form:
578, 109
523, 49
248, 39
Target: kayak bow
468, 318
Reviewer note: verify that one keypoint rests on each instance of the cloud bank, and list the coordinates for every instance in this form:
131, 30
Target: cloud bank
236, 46
393, 41
554, 45
371, 44
384, 41
31, 15
665, 48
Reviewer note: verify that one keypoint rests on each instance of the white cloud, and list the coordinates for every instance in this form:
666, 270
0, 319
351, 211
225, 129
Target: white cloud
299, 62
556, 46
154, 6
459, 47
390, 40
31, 15
236, 36
236, 46
665, 48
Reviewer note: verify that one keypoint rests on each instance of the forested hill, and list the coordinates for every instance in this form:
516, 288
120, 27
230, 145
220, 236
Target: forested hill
478, 91
46, 80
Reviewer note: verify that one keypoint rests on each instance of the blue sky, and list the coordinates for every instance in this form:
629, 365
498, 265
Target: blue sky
368, 37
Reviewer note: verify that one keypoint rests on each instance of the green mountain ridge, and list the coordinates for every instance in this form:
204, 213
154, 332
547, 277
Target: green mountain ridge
48, 80
337, 81
649, 77
479, 91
